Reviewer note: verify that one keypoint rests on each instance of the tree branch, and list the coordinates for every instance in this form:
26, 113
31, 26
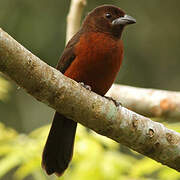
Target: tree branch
69, 98
148, 102
74, 17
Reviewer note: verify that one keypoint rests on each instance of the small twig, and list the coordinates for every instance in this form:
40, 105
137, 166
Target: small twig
148, 102
74, 17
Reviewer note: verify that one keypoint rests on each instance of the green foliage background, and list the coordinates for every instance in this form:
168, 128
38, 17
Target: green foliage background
95, 157
151, 60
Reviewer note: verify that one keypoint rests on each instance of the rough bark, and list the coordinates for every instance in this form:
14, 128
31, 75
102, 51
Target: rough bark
148, 102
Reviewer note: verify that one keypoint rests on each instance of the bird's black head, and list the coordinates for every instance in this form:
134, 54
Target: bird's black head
107, 19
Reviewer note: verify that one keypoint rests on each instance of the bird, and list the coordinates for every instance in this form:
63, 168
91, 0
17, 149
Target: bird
93, 56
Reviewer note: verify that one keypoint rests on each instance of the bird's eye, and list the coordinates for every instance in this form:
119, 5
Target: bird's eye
108, 15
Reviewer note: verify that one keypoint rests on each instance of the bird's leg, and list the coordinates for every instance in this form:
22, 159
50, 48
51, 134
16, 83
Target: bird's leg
85, 86
117, 103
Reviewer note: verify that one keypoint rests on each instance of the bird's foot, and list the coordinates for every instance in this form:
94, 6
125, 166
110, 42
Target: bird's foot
85, 86
117, 103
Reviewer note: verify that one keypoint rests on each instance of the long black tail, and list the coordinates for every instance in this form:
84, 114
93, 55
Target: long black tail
59, 146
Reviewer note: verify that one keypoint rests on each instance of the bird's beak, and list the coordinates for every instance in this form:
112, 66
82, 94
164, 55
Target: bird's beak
124, 20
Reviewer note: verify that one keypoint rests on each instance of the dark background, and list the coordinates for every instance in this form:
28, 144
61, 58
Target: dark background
152, 48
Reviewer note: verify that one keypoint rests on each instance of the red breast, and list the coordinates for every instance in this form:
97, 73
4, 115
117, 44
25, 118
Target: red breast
97, 62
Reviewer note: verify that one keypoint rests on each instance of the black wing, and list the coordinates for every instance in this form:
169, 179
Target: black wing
68, 54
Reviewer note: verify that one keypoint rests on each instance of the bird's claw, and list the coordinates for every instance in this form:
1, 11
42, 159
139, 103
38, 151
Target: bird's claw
117, 103
85, 86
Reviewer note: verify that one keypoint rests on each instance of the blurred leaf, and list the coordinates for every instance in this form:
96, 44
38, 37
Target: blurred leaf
8, 162
175, 126
167, 173
4, 89
22, 151
94, 157
145, 167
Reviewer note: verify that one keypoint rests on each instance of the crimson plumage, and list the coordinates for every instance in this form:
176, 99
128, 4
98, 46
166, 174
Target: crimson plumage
93, 56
